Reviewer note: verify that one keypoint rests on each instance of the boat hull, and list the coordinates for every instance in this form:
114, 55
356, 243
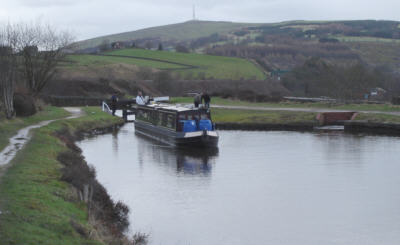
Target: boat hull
203, 139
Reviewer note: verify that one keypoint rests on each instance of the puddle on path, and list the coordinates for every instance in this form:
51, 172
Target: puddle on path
23, 136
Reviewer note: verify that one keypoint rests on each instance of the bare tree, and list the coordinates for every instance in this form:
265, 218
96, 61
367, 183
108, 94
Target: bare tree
8, 67
42, 47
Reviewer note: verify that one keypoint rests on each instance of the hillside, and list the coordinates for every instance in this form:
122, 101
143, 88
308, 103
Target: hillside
181, 65
356, 56
287, 45
169, 33
283, 45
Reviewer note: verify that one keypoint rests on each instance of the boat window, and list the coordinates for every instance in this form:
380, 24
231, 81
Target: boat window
164, 119
170, 121
153, 117
204, 116
160, 118
182, 116
142, 115
148, 116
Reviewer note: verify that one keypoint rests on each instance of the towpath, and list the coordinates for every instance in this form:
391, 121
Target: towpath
317, 110
23, 136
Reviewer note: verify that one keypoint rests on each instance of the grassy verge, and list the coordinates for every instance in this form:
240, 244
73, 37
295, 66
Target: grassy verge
353, 107
9, 128
37, 207
378, 118
252, 116
286, 117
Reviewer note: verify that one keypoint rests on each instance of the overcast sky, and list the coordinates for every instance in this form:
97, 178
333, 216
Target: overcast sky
92, 18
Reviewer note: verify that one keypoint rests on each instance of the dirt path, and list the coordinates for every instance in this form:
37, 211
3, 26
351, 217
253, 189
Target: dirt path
298, 109
23, 136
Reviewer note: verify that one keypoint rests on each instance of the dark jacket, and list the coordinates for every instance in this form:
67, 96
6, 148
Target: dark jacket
206, 98
197, 99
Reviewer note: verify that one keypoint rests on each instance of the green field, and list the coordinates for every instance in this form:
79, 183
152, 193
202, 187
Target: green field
189, 65
96, 60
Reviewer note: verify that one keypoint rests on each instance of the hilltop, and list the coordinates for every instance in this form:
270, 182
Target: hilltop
169, 33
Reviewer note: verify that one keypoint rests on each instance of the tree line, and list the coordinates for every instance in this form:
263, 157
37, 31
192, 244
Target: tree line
317, 77
29, 54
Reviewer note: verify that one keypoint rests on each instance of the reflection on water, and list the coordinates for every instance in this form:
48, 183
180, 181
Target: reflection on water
259, 188
195, 161
187, 161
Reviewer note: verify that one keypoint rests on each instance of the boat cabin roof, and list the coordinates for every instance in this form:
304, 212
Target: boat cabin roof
173, 107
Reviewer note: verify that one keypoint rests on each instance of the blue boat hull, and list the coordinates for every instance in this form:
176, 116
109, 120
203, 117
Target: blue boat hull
203, 139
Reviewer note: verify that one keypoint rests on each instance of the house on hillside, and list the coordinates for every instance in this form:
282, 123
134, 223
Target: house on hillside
277, 74
117, 45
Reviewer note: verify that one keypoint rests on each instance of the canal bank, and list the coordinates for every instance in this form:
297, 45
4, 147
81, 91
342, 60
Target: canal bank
255, 119
305, 126
49, 195
232, 114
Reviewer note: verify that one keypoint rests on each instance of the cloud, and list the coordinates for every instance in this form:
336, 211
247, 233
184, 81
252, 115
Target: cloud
46, 3
92, 18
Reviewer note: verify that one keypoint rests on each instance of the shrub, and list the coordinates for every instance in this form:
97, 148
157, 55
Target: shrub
24, 105
83, 177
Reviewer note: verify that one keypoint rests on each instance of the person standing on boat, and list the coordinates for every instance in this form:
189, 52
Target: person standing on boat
139, 99
114, 101
206, 98
197, 100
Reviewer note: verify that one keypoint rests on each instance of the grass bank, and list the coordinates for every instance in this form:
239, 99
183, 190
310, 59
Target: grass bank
378, 118
9, 128
37, 207
252, 116
351, 107
283, 117
232, 119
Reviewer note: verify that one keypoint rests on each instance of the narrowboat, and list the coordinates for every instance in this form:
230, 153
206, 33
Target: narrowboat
176, 125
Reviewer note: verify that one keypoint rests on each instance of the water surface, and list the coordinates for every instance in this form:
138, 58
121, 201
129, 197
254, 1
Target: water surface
285, 188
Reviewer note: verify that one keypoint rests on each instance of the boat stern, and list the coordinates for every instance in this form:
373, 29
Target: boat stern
205, 138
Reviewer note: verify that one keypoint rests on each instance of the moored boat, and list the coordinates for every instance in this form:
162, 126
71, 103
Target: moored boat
176, 125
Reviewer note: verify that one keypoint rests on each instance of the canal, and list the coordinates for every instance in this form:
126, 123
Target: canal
286, 188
